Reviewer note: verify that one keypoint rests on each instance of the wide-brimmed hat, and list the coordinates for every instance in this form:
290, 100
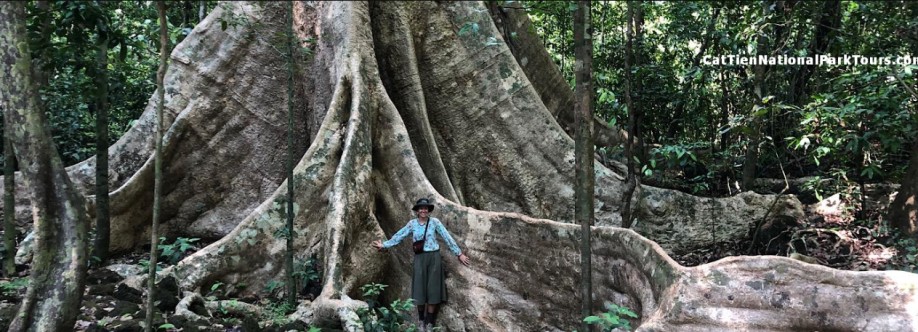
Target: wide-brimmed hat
423, 202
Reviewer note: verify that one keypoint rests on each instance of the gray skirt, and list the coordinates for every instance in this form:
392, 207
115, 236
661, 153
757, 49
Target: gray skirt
428, 285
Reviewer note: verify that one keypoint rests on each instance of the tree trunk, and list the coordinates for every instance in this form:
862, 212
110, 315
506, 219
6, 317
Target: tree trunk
158, 161
52, 300
751, 161
829, 19
631, 178
903, 211
583, 150
501, 147
707, 38
548, 82
103, 230
9, 199
289, 232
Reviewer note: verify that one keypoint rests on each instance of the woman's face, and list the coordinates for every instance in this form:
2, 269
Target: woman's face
423, 212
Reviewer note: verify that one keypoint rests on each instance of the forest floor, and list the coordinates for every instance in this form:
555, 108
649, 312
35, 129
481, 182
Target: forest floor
836, 232
831, 234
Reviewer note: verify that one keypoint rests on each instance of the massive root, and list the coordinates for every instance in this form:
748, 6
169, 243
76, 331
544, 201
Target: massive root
401, 102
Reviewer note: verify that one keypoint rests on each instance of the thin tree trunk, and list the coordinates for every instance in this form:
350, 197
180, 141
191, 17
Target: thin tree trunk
724, 109
583, 149
903, 211
9, 199
829, 19
52, 300
40, 70
638, 84
158, 159
752, 150
631, 182
676, 127
291, 281
100, 250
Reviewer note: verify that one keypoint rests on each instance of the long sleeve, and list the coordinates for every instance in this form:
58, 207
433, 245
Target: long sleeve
398, 237
448, 239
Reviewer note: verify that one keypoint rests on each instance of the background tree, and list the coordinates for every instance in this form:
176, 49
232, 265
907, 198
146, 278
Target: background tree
100, 106
9, 199
158, 160
52, 300
633, 108
291, 49
401, 96
583, 150
903, 210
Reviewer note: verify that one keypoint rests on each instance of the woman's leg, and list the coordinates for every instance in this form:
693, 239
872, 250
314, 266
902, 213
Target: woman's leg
431, 316
421, 316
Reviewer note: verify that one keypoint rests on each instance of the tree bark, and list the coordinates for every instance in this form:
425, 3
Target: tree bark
751, 161
583, 150
829, 19
903, 211
158, 161
52, 300
103, 216
500, 146
546, 79
289, 232
9, 199
631, 178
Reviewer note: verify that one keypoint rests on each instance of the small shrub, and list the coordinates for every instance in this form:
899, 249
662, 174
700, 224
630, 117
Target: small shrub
276, 312
175, 251
613, 318
377, 318
13, 286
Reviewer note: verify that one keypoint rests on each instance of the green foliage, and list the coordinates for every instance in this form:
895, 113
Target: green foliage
614, 318
215, 291
812, 120
907, 257
175, 251
308, 272
145, 264
276, 312
63, 39
273, 286
378, 318
863, 128
13, 286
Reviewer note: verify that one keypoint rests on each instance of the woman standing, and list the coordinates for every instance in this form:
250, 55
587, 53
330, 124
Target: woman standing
428, 287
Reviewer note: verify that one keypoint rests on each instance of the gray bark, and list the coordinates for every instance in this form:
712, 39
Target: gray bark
903, 212
501, 148
164, 48
52, 300
103, 228
9, 200
583, 151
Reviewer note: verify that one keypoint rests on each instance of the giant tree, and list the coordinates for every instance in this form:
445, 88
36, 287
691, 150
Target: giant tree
409, 99
52, 300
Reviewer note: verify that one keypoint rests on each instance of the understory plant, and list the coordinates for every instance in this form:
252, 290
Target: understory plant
615, 317
378, 318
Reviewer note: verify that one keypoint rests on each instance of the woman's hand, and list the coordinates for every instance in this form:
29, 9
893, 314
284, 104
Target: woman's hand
378, 245
464, 259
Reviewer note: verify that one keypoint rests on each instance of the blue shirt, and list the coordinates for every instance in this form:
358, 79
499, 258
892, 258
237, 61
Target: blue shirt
416, 229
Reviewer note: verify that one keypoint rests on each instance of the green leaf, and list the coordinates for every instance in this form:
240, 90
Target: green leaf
592, 320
